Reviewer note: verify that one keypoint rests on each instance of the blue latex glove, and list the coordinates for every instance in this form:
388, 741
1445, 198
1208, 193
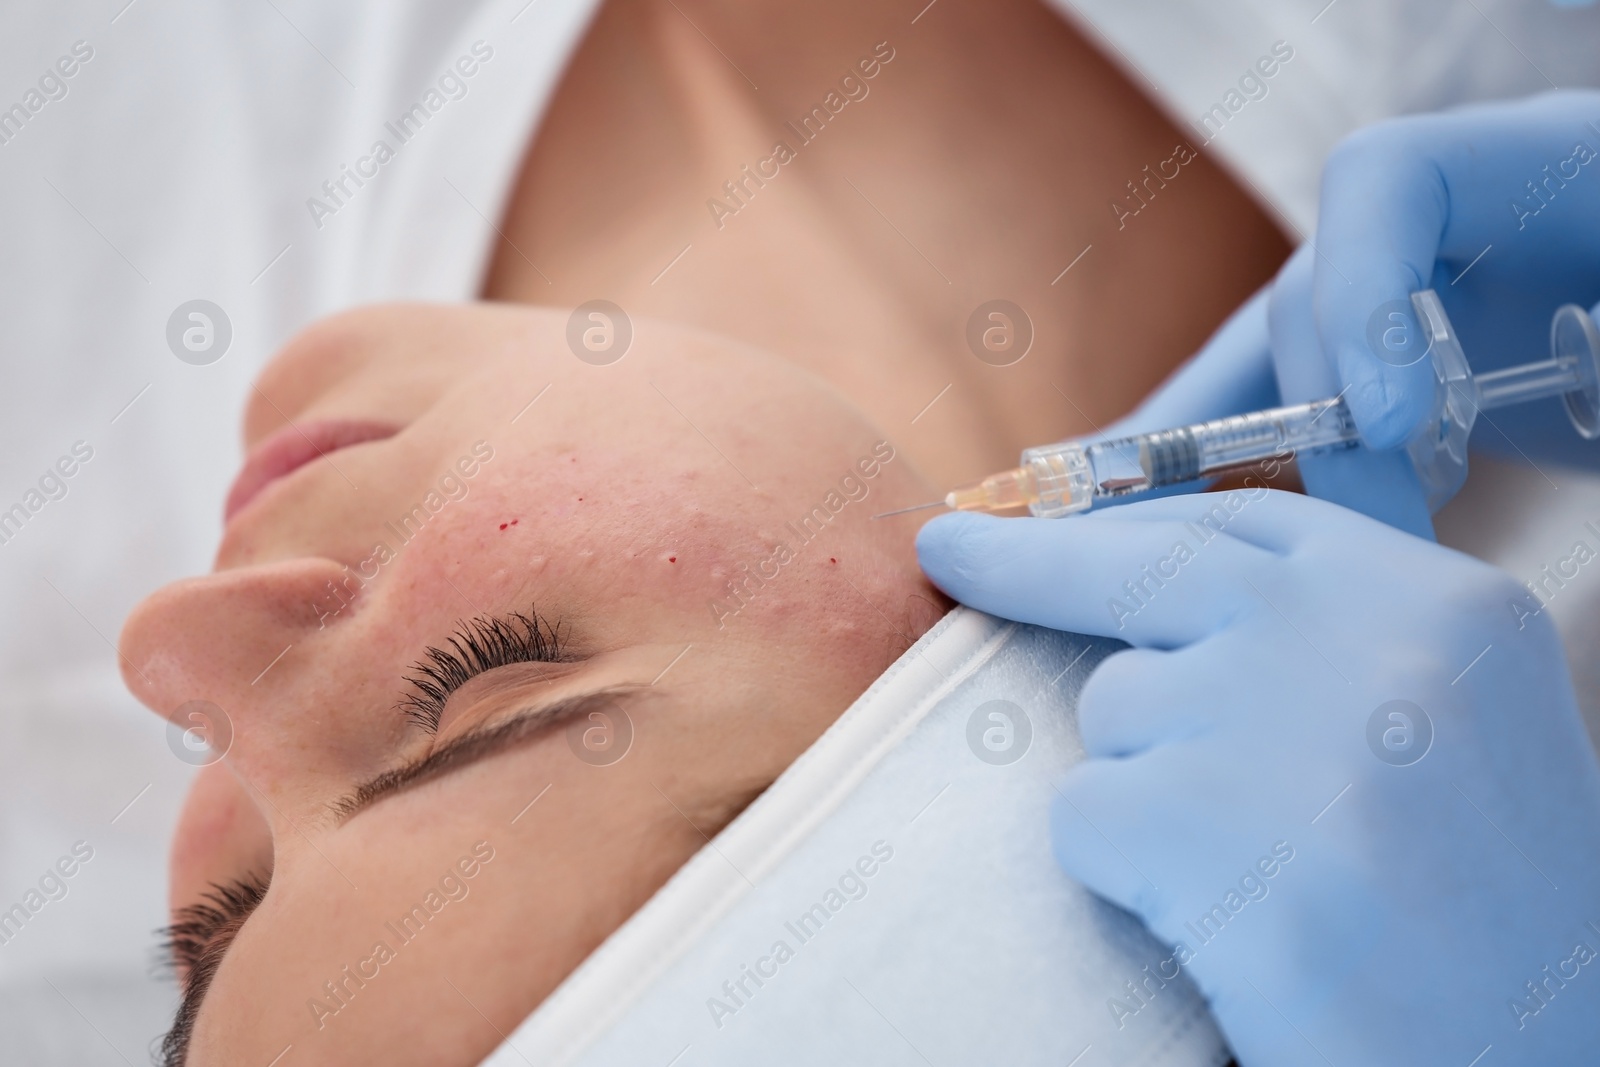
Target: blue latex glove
1498, 208
1441, 201
1353, 882
1272, 338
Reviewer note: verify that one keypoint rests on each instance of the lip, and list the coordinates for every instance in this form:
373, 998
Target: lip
285, 451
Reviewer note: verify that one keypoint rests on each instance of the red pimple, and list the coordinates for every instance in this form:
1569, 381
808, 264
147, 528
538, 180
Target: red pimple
672, 559
503, 525
832, 560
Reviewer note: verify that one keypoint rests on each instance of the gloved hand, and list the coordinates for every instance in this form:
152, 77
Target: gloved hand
1341, 772
1498, 208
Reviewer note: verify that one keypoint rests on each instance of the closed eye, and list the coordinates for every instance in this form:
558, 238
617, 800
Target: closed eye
194, 946
478, 645
527, 724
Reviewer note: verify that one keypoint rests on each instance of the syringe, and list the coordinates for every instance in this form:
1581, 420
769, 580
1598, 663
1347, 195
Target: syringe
1069, 477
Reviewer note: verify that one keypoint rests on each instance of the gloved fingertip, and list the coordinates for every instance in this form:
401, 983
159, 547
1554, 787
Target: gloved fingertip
1389, 403
1380, 485
1089, 858
941, 531
952, 547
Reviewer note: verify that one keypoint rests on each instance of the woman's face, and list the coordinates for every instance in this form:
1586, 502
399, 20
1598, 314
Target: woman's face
651, 584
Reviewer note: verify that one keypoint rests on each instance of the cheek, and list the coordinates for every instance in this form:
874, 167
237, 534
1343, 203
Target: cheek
221, 836
589, 542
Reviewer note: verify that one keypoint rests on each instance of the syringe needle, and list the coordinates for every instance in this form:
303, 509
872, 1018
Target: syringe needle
917, 507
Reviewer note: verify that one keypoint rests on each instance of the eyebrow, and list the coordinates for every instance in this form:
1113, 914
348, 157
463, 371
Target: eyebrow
476, 746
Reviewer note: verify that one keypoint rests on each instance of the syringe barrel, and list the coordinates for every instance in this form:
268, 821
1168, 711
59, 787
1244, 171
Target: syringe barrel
1241, 440
1071, 476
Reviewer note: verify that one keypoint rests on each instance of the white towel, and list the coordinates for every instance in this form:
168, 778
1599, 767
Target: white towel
910, 883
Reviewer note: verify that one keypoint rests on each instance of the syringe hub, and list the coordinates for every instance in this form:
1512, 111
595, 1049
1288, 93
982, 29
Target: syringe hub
1014, 488
1053, 480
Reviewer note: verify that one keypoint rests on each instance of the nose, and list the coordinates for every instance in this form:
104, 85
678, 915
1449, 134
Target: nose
216, 636
247, 642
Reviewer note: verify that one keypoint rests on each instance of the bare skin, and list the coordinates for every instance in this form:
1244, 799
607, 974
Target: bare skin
992, 144
980, 162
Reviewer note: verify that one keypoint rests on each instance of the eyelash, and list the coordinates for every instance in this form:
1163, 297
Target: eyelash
194, 945
196, 926
480, 645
